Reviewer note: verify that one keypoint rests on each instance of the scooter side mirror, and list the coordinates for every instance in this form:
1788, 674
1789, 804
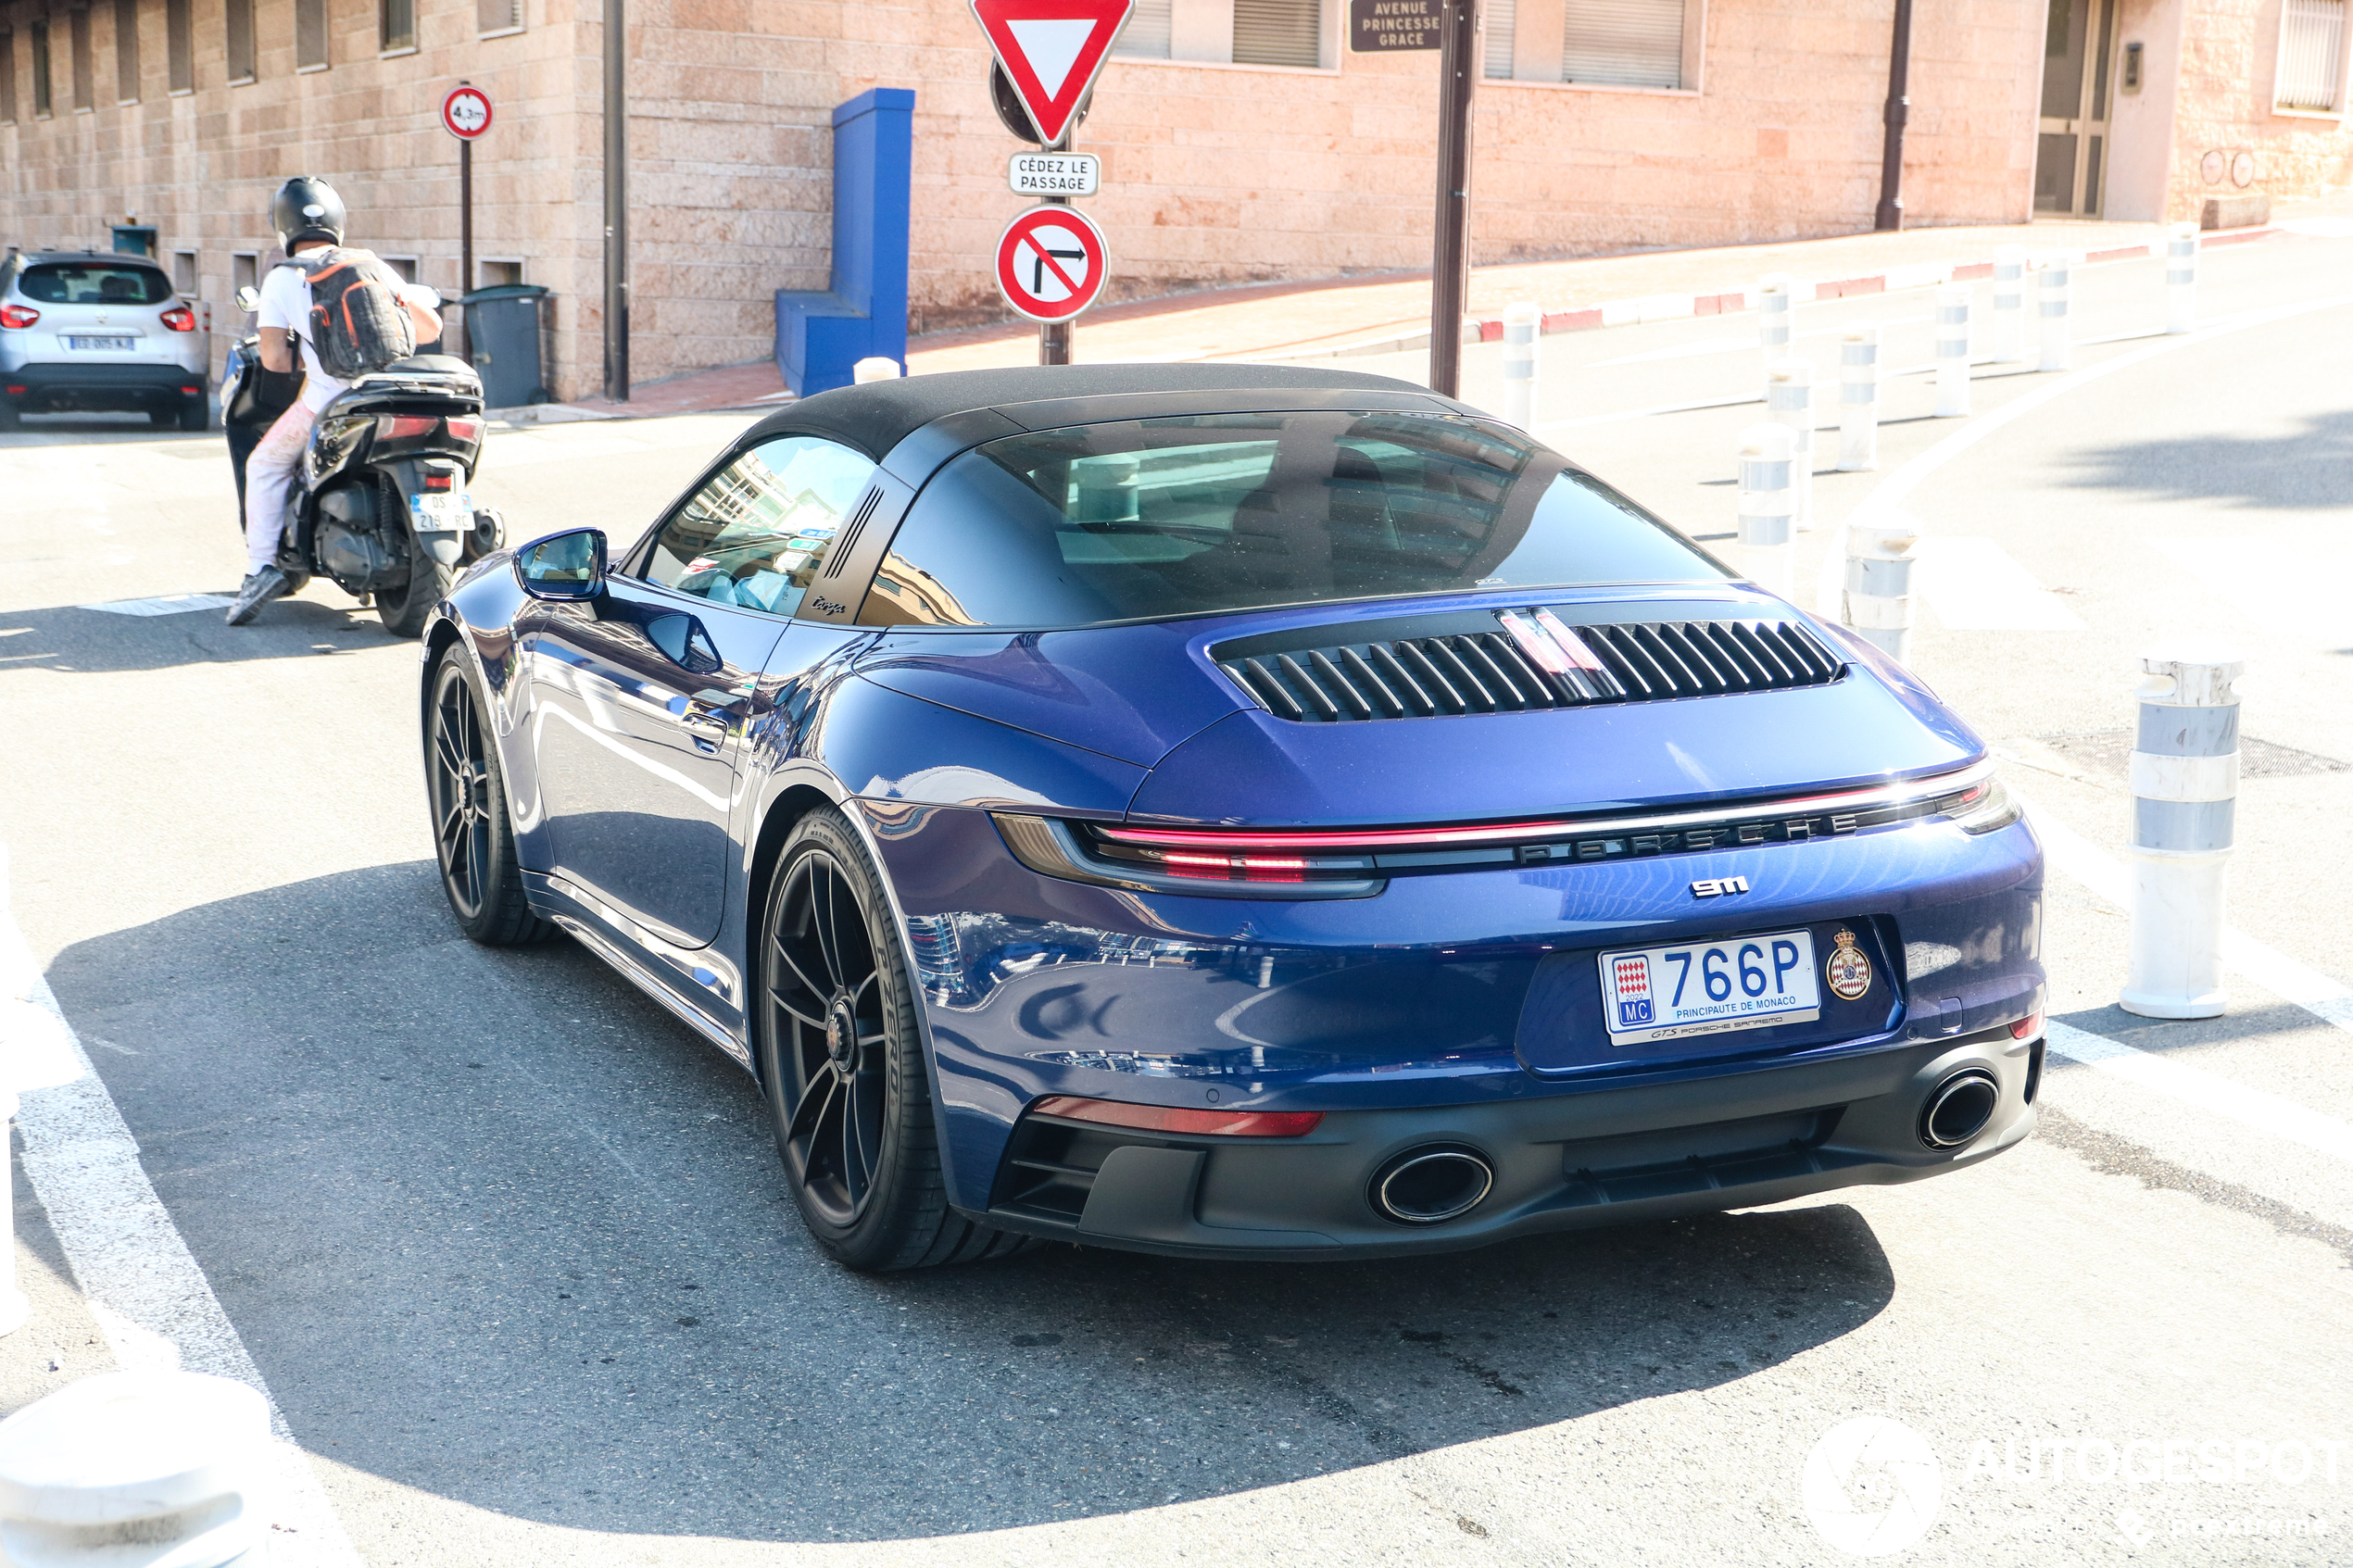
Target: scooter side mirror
248, 299
563, 566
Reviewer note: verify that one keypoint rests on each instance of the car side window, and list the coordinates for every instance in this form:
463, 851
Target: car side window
756, 534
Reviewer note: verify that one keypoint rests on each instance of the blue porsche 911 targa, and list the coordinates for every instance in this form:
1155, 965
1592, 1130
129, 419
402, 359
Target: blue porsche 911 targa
1238, 812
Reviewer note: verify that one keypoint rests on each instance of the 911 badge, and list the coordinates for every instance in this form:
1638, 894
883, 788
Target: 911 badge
1848, 972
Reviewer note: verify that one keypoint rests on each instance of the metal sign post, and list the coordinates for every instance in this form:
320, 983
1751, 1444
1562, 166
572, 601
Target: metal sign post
1051, 261
465, 114
1458, 66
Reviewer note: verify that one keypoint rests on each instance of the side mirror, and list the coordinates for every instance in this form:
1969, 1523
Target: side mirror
248, 299
563, 566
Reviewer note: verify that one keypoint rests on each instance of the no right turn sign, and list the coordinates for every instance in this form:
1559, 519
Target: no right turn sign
1050, 263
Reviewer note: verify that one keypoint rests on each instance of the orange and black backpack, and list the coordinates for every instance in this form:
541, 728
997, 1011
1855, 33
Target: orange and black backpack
357, 323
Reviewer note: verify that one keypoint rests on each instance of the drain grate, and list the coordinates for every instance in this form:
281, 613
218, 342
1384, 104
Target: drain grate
2109, 751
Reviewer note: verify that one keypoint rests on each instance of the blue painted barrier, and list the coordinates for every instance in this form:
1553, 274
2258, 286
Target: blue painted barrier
820, 336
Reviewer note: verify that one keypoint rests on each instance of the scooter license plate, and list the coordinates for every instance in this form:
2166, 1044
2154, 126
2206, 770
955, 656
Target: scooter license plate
444, 513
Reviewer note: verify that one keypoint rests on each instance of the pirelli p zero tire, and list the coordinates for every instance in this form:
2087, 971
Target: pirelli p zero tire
841, 1058
474, 838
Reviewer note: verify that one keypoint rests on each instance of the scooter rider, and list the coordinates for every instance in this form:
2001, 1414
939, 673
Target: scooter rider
307, 216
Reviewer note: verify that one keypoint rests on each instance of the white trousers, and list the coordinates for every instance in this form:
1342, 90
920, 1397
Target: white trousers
269, 475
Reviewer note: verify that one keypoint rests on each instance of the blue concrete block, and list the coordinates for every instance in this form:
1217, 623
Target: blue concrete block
820, 336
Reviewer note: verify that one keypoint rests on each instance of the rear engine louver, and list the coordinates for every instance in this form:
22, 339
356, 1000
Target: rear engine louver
1532, 660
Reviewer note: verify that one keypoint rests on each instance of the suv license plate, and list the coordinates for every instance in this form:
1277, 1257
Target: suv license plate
1689, 988
102, 345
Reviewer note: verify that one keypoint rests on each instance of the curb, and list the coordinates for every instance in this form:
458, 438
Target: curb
1672, 307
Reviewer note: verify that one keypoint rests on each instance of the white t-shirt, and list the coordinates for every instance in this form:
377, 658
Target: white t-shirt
286, 304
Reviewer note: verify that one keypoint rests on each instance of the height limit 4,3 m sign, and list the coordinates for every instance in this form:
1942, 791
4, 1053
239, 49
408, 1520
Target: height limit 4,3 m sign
1050, 263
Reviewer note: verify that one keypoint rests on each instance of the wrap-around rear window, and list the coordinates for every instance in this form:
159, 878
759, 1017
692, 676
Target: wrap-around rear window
1185, 516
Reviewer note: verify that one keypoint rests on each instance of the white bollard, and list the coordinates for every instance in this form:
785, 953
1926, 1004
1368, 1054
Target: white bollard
14, 1308
1522, 325
2059, 346
2185, 785
875, 369
135, 1470
1775, 316
1880, 604
1858, 398
1952, 350
2009, 305
2181, 279
1789, 401
1767, 507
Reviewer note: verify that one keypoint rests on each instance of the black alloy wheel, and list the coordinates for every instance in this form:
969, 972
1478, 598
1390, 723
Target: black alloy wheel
841, 1062
472, 839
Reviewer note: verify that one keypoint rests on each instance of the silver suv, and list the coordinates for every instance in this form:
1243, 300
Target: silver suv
101, 332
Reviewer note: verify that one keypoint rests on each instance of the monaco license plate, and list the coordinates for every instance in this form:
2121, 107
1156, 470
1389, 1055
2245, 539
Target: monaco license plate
1690, 989
102, 345
440, 512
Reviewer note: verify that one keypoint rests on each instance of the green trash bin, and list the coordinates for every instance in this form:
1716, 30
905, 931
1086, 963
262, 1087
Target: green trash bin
502, 337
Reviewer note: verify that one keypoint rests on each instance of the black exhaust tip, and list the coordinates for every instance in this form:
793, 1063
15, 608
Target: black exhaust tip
1423, 1187
1960, 1109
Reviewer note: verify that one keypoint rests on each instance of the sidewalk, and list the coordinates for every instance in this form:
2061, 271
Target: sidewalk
1391, 312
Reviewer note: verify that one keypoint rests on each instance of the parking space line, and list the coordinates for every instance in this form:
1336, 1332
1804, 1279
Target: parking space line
144, 1289
2206, 1091
1975, 585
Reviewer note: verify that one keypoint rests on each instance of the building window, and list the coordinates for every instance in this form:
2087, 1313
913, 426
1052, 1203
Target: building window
494, 19
1499, 29
7, 77
78, 28
1623, 42
498, 274
404, 266
2312, 71
396, 25
1147, 34
126, 51
311, 35
183, 273
180, 45
239, 27
245, 272
1279, 32
43, 102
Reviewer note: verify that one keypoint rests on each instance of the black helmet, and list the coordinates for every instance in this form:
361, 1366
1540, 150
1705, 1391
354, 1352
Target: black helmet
307, 207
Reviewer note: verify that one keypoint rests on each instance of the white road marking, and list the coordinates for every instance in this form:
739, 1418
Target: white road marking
144, 1289
2207, 1091
2253, 581
170, 604
1976, 585
2283, 976
1682, 351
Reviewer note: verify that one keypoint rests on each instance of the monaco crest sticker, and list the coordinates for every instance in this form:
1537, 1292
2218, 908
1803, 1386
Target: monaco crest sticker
1848, 972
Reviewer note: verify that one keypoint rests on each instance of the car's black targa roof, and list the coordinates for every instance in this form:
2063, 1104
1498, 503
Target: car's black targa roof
875, 416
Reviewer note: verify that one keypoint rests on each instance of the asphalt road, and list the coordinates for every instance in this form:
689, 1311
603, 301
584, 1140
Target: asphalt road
510, 1248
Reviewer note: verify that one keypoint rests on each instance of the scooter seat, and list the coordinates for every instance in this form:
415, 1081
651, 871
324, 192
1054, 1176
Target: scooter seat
431, 365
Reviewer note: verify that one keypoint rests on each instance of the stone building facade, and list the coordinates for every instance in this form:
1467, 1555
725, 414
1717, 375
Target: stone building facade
1241, 139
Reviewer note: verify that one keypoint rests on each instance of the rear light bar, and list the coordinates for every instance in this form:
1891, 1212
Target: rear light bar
1184, 1120
180, 318
18, 317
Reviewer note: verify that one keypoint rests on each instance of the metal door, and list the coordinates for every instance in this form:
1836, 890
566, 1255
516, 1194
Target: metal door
2070, 151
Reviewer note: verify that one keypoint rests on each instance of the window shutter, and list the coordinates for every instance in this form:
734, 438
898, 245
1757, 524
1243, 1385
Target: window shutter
237, 25
2311, 54
310, 33
8, 75
126, 51
1500, 21
1146, 36
1279, 32
180, 45
498, 15
1623, 42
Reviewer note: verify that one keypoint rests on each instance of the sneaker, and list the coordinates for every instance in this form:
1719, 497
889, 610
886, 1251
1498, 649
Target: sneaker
258, 589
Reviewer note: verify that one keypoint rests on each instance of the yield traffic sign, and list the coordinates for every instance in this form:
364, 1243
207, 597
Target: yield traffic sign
1050, 263
1052, 51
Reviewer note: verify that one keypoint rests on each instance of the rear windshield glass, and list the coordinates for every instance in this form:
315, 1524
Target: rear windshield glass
1174, 516
92, 283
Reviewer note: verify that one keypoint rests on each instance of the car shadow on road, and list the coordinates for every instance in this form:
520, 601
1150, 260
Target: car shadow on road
495, 1227
71, 637
2302, 471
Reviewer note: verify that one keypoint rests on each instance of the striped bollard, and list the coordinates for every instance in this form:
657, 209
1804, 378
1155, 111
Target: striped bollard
2009, 305
1858, 398
2185, 785
1775, 316
1952, 351
1767, 507
2059, 347
1788, 402
2181, 279
1878, 602
1522, 323
136, 1470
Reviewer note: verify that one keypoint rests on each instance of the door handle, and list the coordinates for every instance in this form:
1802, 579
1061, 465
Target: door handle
708, 719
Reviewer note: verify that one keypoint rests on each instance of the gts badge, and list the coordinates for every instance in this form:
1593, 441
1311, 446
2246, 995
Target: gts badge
1719, 886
